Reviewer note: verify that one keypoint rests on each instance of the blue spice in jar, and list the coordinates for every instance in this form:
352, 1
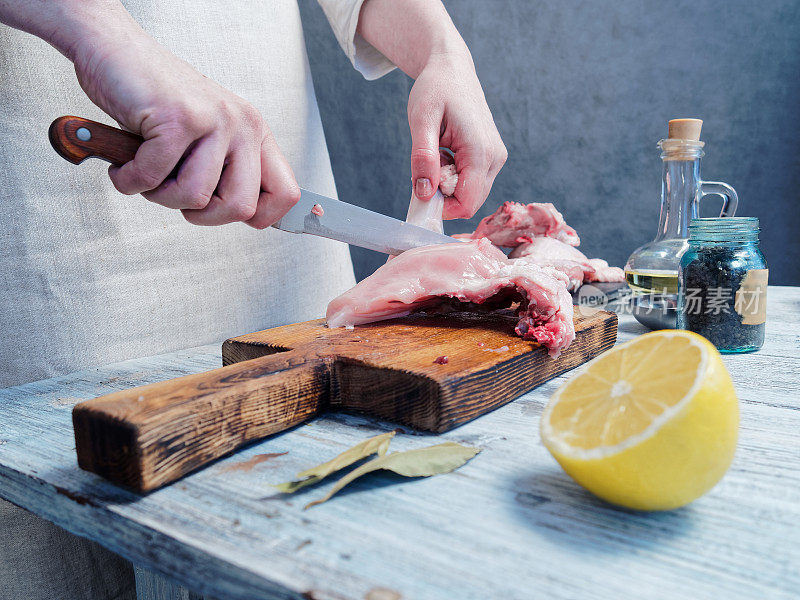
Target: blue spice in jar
723, 255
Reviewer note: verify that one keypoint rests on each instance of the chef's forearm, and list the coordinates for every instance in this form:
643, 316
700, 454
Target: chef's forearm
411, 32
76, 28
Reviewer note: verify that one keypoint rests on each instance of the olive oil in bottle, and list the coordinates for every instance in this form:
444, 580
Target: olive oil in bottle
652, 270
652, 282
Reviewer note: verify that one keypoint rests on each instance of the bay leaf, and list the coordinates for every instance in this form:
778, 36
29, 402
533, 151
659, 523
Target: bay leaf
374, 445
422, 462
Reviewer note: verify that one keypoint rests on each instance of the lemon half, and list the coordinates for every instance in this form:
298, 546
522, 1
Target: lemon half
651, 424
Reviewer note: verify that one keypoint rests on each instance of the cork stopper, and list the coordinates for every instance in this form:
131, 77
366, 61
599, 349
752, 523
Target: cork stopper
684, 129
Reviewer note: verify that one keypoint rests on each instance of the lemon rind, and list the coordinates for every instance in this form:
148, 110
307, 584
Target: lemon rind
600, 452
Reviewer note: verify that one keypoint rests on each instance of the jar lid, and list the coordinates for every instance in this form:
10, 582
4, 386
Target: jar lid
724, 229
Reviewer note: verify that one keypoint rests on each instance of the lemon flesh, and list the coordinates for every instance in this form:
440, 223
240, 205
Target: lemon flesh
651, 424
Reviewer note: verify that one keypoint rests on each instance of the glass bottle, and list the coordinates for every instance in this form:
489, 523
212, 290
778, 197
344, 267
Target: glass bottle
652, 269
723, 279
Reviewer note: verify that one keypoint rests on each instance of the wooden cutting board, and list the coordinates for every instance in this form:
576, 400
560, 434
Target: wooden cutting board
275, 379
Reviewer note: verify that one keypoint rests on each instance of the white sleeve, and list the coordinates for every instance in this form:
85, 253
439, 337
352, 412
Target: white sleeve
343, 17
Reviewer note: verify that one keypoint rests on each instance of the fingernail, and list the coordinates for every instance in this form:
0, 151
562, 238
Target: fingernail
423, 187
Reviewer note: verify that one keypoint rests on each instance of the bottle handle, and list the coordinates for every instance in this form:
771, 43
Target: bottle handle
729, 198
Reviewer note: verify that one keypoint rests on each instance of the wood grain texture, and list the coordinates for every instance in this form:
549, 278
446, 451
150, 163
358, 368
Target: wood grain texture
510, 524
148, 436
151, 435
106, 142
388, 369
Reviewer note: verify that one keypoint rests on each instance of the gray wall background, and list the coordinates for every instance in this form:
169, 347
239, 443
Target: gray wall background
581, 92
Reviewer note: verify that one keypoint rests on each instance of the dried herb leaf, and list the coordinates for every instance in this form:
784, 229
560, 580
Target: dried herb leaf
422, 462
378, 444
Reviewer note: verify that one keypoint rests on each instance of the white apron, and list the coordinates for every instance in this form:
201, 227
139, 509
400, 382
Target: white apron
90, 277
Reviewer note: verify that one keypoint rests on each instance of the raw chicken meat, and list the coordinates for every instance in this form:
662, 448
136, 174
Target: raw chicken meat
538, 234
575, 272
545, 247
461, 277
428, 214
448, 179
513, 224
603, 272
545, 251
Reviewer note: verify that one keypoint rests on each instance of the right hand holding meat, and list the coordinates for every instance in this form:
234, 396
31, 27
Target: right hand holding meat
232, 167
447, 108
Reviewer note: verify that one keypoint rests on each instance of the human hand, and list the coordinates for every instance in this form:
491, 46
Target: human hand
231, 169
447, 108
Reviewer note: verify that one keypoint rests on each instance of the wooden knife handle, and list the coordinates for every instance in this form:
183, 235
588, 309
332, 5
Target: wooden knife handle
148, 436
77, 139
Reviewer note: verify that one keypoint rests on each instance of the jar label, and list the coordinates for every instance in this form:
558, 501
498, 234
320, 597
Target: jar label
751, 297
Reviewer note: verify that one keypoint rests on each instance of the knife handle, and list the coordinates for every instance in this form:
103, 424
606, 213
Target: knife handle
77, 139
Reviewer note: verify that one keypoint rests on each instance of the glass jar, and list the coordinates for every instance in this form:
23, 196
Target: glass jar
723, 283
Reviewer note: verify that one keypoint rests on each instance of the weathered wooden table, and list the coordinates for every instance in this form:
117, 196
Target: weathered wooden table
508, 525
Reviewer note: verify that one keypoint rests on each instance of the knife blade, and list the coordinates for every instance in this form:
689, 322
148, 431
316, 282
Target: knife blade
356, 226
76, 138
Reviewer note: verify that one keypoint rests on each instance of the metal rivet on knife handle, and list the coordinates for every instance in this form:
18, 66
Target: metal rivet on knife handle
77, 139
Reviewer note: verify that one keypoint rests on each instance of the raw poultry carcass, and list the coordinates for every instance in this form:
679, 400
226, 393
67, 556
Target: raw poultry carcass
603, 272
538, 233
545, 251
576, 272
466, 276
513, 224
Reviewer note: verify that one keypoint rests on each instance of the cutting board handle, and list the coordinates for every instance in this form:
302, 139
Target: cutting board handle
77, 139
147, 436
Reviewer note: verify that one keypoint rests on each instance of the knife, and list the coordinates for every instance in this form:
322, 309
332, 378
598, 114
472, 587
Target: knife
77, 139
